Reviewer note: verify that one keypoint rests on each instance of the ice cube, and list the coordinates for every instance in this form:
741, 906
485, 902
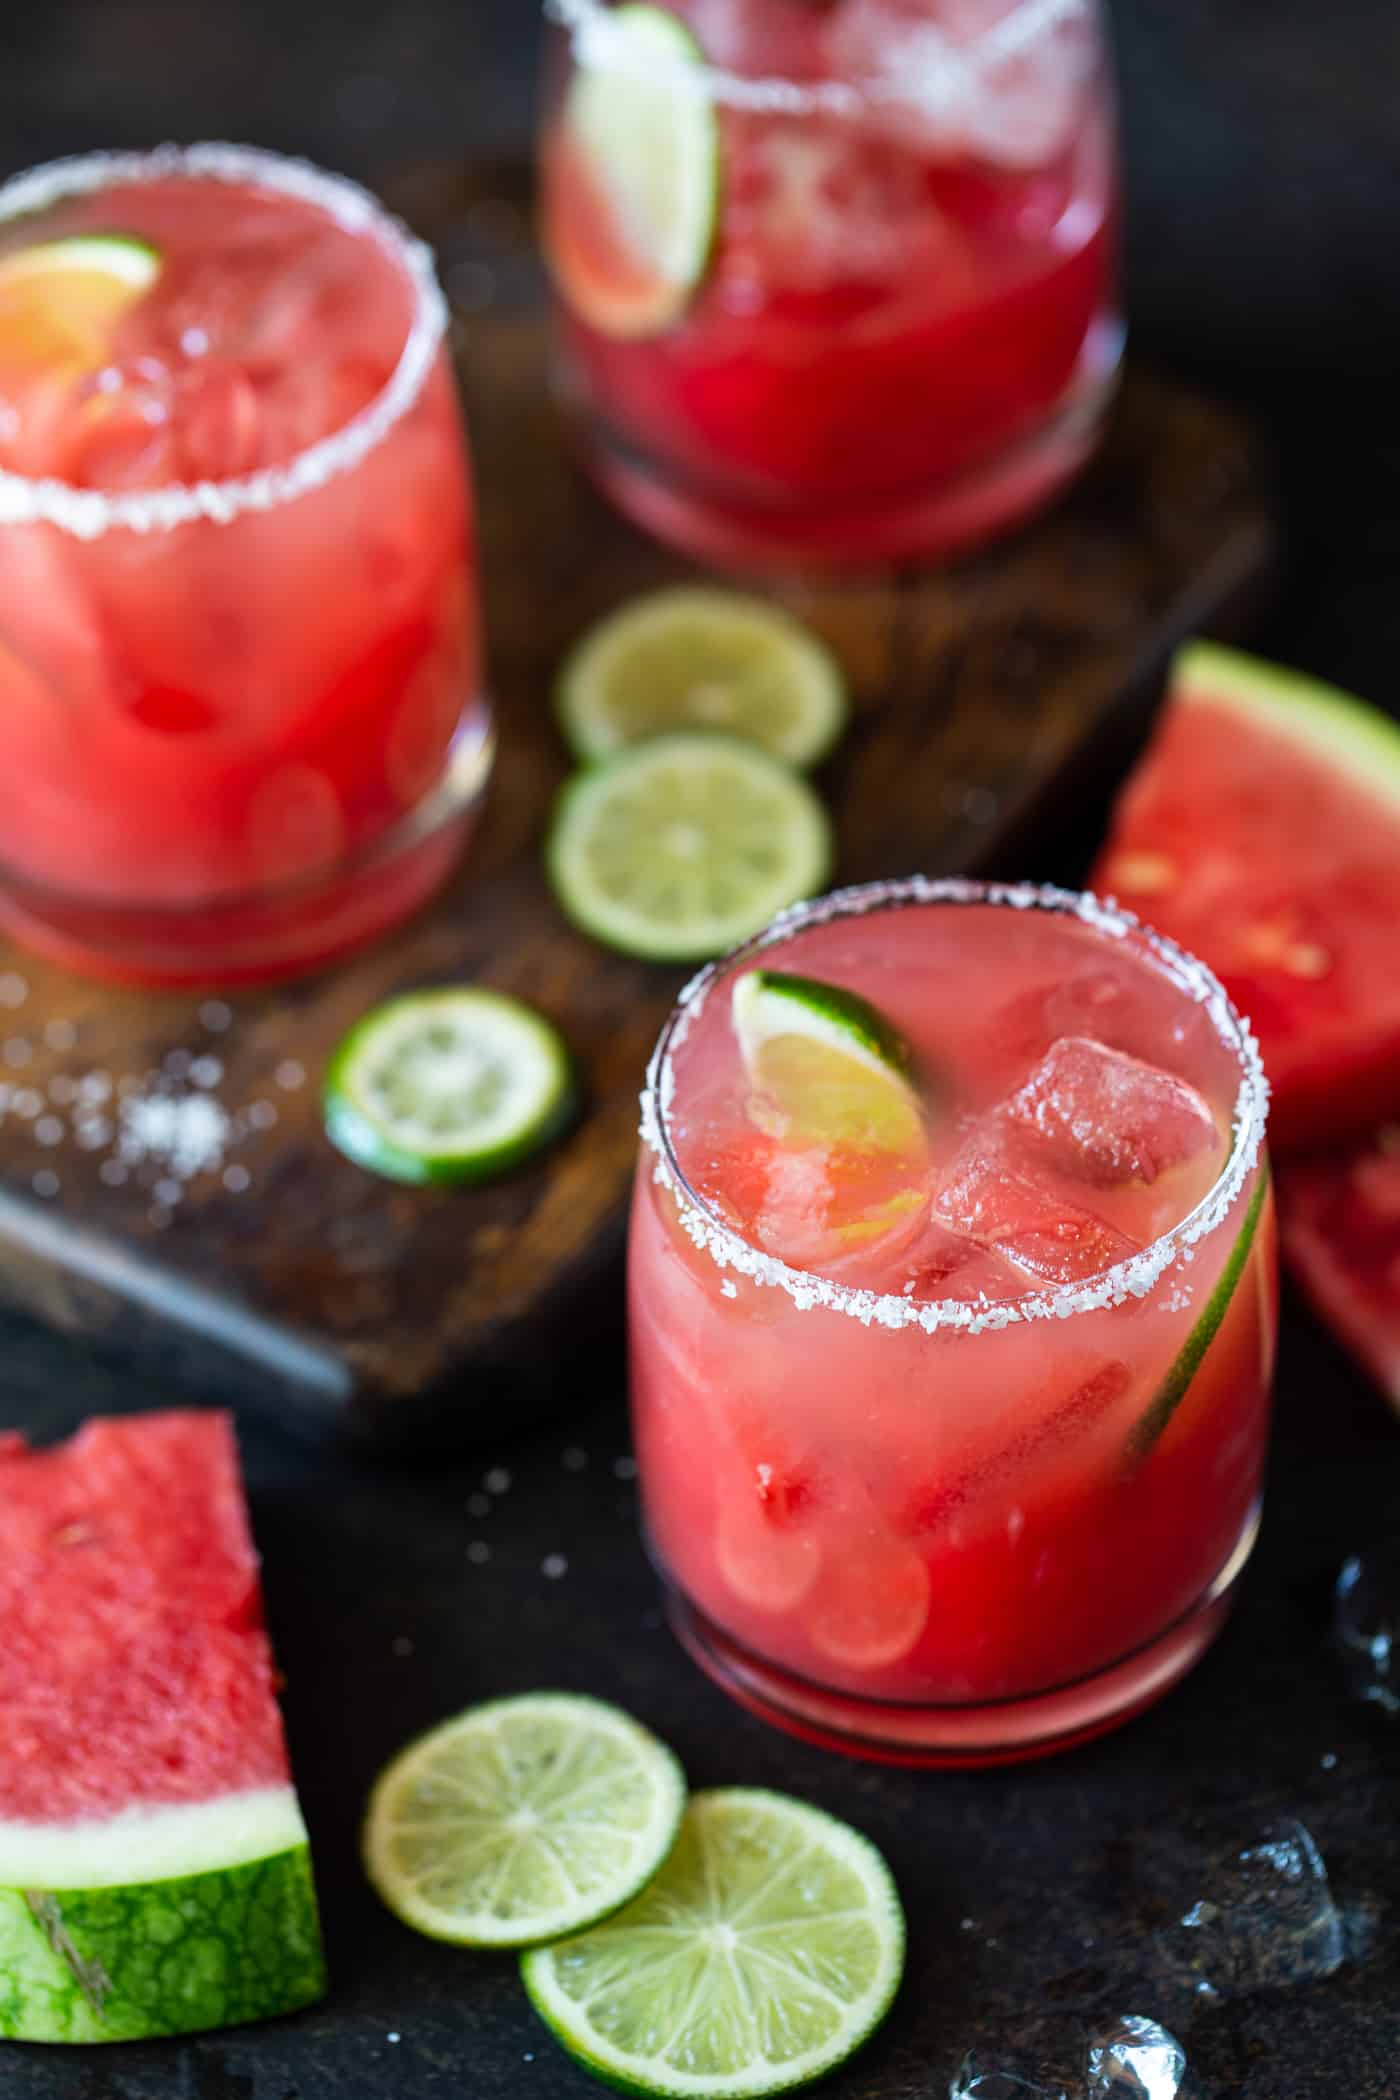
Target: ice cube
1258, 1916
1135, 2059
1366, 1624
987, 1200
1045, 2061
1107, 1118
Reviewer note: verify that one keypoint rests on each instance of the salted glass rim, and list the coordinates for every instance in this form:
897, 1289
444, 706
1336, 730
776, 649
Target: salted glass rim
599, 41
1137, 1277
87, 513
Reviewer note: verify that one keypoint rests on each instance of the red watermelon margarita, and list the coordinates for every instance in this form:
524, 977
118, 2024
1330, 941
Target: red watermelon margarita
154, 1870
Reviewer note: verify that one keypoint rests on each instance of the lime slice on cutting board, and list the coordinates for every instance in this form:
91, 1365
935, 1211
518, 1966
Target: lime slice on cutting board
685, 845
61, 300
633, 177
695, 658
834, 1068
1172, 1391
767, 1949
452, 1085
521, 1820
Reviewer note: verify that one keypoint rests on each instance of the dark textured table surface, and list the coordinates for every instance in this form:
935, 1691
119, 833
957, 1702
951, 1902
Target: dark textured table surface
1265, 186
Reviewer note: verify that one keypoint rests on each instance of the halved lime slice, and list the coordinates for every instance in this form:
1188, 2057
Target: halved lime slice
451, 1085
695, 658
832, 1067
767, 1949
60, 300
632, 176
521, 1820
683, 846
1172, 1391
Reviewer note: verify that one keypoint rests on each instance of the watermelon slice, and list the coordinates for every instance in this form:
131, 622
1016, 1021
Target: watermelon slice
1262, 830
154, 1870
1340, 1221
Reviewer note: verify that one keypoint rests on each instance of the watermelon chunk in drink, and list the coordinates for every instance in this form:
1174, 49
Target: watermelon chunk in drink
155, 1876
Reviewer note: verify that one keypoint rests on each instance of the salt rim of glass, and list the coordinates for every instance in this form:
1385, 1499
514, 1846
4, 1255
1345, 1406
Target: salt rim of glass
88, 513
600, 40
1136, 1277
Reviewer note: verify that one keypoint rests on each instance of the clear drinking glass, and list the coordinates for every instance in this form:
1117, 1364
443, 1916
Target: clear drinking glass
239, 647
835, 278
954, 1456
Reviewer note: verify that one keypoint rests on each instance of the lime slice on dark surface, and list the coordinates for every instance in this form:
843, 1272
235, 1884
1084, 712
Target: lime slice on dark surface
633, 181
764, 1953
685, 845
521, 1820
696, 658
453, 1085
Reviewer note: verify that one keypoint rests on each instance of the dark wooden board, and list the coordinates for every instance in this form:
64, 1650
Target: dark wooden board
335, 1299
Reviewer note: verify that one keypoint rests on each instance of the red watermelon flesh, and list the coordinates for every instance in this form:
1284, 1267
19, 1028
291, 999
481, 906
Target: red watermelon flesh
1261, 830
134, 1667
1340, 1220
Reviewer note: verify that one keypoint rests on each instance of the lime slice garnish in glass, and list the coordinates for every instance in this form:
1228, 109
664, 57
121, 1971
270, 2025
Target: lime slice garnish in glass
521, 1820
826, 1067
61, 300
767, 1949
685, 845
696, 658
451, 1085
632, 178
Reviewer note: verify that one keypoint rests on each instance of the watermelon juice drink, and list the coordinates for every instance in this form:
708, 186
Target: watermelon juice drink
238, 635
952, 1304
835, 277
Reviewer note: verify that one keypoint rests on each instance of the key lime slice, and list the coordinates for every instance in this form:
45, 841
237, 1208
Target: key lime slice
521, 1820
1172, 1391
61, 300
632, 176
684, 846
694, 658
451, 1085
833, 1069
767, 1949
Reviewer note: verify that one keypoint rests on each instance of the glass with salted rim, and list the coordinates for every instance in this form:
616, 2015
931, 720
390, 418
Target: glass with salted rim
245, 725
835, 278
915, 1500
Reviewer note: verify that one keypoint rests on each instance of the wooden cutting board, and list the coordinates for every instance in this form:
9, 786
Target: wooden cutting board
257, 1265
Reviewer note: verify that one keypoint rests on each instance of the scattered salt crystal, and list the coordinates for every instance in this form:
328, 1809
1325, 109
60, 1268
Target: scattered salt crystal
554, 1565
215, 1016
261, 1116
177, 1063
95, 1088
62, 1089
60, 1035
573, 1460
46, 1182
206, 1071
113, 1173
167, 1191
401, 1644
290, 1074
478, 1552
49, 1130
393, 2035
27, 1101
13, 989
18, 1051
92, 1132
1329, 1761
186, 1133
497, 1481
478, 1505
236, 1179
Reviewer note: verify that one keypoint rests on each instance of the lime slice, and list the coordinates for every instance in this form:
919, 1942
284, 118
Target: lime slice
765, 1952
61, 300
632, 184
522, 1820
683, 846
1172, 1390
453, 1085
832, 1067
694, 658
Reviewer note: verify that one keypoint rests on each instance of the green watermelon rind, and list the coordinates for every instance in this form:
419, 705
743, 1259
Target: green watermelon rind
1330, 728
173, 1956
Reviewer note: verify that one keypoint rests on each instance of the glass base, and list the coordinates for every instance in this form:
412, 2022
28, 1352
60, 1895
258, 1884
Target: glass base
930, 524
284, 932
1003, 1732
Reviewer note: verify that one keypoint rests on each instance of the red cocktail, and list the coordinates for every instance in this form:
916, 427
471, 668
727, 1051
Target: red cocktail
952, 1318
239, 640
835, 277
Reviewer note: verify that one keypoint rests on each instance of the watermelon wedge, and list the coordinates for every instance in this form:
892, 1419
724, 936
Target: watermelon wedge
154, 1870
1261, 829
1340, 1221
